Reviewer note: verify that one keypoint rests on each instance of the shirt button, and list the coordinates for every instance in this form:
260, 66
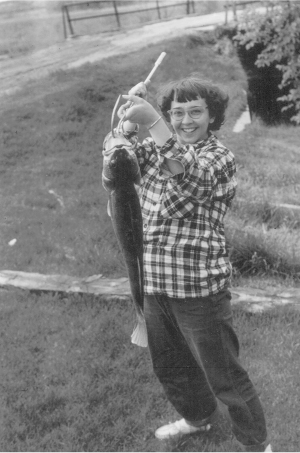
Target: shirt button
145, 225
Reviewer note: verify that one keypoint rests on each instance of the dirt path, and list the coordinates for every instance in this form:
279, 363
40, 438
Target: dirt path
254, 300
74, 52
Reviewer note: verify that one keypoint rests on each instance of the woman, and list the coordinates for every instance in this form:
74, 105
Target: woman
188, 183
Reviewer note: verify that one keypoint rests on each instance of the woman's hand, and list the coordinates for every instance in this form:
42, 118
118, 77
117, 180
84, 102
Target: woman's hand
137, 110
139, 90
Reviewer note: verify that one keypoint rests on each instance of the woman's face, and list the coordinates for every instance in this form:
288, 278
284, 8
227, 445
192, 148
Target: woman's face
190, 130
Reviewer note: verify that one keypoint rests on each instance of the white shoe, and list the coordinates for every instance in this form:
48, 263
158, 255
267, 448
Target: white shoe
268, 448
178, 428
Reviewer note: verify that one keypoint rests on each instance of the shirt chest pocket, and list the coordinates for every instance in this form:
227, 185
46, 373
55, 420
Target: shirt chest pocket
176, 204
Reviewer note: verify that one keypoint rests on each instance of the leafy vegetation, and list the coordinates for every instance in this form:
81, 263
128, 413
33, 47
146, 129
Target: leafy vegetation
277, 36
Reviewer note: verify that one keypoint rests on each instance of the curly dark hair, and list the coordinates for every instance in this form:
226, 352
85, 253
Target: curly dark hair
191, 88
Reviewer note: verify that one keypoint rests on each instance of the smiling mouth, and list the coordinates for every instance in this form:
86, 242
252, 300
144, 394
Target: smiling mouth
189, 130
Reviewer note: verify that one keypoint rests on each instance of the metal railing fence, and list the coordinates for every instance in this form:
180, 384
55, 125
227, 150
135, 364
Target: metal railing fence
116, 11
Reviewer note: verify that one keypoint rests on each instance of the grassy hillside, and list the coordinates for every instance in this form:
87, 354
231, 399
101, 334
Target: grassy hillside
53, 202
54, 143
70, 379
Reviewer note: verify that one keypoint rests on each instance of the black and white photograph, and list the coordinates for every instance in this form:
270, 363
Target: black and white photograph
150, 226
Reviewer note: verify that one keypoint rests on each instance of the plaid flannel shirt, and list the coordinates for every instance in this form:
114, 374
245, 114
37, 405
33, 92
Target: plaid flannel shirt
185, 253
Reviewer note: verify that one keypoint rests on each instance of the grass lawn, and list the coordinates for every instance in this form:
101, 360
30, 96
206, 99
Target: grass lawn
72, 381
70, 378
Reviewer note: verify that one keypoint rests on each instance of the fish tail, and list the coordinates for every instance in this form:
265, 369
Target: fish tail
139, 335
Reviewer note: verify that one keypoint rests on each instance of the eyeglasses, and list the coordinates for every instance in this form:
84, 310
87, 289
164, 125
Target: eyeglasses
179, 114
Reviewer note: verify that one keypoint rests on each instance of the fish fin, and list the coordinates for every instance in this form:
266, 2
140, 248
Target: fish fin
141, 277
139, 335
137, 189
108, 208
138, 177
108, 184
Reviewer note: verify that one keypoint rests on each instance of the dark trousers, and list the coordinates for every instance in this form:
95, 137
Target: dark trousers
194, 352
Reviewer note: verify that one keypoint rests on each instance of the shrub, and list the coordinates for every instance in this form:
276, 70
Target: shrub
276, 35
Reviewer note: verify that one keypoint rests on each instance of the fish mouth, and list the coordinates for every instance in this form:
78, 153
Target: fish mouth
117, 148
113, 142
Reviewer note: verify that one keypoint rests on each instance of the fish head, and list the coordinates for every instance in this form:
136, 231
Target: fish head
120, 165
124, 165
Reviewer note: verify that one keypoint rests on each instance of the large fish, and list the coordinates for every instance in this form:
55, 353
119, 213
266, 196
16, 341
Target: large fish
120, 174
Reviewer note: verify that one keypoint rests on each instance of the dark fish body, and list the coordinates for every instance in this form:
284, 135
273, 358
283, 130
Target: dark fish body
120, 175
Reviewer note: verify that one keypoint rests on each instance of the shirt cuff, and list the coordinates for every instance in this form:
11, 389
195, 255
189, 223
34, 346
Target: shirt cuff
171, 149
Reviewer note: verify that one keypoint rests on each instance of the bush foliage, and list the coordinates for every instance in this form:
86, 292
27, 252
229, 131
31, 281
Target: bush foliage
278, 34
